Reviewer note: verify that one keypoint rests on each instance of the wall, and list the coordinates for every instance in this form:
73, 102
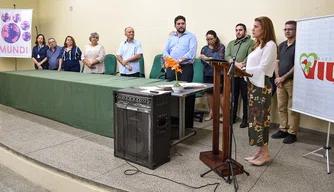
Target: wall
8, 64
153, 20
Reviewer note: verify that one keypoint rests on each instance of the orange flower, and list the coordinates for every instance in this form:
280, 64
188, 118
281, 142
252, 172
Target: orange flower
173, 65
176, 66
178, 70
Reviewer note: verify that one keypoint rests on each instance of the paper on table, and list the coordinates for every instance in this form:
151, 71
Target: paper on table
151, 88
154, 91
192, 85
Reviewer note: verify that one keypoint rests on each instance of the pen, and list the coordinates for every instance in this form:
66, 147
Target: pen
154, 92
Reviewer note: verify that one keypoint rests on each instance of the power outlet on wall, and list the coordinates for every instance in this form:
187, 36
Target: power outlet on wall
71, 8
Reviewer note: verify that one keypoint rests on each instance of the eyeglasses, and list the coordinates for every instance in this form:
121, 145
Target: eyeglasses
288, 29
210, 39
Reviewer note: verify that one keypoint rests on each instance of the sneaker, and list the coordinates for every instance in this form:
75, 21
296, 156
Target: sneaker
290, 139
243, 124
279, 134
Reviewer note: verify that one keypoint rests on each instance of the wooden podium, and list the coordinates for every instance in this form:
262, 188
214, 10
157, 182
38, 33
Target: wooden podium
216, 157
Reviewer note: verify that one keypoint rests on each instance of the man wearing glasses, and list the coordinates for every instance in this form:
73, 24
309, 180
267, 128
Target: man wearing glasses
240, 85
52, 54
284, 82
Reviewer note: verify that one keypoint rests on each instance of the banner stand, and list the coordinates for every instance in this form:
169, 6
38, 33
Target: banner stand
326, 148
15, 64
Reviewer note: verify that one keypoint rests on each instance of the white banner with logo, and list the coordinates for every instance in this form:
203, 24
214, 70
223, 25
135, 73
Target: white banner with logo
313, 89
15, 40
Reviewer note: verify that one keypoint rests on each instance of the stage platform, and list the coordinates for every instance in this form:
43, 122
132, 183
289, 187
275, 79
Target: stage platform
83, 101
89, 158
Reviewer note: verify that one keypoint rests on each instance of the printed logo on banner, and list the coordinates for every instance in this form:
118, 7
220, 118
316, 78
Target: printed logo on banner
310, 62
15, 37
14, 28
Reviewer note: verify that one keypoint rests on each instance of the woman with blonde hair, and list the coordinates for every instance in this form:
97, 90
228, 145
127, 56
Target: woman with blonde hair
93, 55
260, 63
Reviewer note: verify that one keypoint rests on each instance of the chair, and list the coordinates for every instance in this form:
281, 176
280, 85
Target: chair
142, 66
156, 71
199, 78
110, 63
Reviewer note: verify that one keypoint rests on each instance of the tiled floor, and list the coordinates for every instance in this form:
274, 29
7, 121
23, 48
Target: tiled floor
91, 156
12, 182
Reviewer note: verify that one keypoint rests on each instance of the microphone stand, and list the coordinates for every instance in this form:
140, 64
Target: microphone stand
231, 176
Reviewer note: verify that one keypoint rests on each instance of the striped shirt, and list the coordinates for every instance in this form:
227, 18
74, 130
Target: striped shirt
73, 54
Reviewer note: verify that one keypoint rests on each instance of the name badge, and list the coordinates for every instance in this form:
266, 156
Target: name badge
38, 56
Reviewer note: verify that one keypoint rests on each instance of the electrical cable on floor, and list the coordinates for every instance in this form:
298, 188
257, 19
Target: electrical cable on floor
136, 170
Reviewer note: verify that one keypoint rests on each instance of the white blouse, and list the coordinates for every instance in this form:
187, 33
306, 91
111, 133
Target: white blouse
261, 63
94, 52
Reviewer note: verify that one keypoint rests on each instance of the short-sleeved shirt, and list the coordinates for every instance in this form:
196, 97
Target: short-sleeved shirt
286, 58
127, 50
91, 53
53, 57
218, 54
39, 53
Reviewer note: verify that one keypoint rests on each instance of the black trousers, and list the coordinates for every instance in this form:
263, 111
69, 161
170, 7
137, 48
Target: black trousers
131, 75
186, 75
240, 85
273, 84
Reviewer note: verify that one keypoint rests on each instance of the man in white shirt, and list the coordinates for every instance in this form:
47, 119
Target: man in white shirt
128, 54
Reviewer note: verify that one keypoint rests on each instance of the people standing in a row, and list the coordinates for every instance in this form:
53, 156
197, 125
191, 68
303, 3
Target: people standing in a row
240, 85
69, 56
39, 53
93, 56
129, 53
213, 50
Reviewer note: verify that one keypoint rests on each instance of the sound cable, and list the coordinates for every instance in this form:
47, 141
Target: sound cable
135, 170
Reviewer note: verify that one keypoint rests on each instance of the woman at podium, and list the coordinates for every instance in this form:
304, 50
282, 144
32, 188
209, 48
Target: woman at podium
213, 50
260, 63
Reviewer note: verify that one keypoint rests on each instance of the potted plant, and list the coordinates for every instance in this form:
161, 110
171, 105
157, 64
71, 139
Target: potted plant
169, 62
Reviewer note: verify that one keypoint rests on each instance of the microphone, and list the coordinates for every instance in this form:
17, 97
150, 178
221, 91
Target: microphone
242, 39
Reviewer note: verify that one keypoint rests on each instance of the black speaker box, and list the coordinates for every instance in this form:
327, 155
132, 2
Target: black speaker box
142, 127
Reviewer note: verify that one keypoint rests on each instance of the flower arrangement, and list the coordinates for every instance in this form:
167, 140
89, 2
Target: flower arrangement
169, 62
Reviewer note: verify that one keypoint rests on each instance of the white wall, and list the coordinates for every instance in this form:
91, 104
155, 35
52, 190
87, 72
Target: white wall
153, 20
8, 64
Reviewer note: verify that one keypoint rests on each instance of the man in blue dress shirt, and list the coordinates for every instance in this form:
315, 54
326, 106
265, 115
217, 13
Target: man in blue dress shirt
182, 46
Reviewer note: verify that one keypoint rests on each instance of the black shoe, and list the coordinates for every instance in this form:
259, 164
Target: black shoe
290, 139
279, 134
243, 124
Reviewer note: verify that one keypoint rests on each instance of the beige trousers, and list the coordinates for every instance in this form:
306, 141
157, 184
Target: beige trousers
284, 99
